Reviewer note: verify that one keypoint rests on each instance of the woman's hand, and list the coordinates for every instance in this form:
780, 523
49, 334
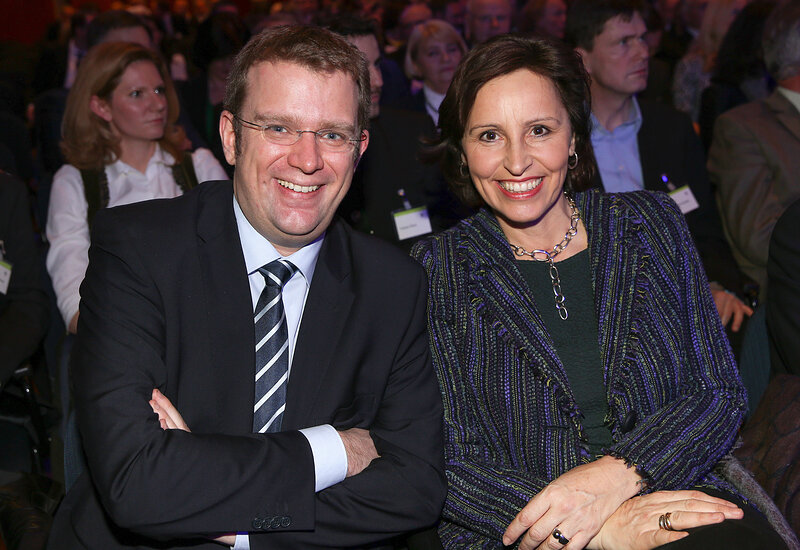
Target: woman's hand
635, 525
578, 503
168, 415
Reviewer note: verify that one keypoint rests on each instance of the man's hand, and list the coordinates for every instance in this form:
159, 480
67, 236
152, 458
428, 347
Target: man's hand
359, 448
634, 526
168, 415
730, 308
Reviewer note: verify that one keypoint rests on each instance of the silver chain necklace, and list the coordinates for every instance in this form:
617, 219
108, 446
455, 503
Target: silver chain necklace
548, 255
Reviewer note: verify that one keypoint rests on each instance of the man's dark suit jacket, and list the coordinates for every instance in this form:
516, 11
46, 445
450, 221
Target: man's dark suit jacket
783, 292
166, 303
668, 145
391, 163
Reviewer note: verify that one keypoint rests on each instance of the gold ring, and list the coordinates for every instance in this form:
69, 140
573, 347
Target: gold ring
664, 521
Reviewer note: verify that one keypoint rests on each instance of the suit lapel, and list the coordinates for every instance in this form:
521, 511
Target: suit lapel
324, 317
785, 112
228, 311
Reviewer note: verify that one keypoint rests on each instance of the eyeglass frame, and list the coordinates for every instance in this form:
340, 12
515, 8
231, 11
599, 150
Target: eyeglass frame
317, 133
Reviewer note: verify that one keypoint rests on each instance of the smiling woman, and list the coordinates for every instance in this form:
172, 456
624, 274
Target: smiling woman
578, 350
122, 146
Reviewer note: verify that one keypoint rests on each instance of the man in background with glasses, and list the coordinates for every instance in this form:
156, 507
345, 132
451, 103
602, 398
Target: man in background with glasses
248, 370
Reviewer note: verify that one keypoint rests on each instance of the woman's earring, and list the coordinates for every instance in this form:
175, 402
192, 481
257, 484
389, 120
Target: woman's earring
572, 162
463, 170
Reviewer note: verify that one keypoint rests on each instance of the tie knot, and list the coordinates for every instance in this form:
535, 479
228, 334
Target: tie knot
278, 272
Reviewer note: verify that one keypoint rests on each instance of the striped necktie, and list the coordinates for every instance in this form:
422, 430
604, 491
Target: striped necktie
272, 348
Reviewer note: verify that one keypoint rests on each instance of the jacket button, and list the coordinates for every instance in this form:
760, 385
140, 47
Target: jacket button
257, 523
286, 521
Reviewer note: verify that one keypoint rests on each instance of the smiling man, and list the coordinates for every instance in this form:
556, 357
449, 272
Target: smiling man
285, 356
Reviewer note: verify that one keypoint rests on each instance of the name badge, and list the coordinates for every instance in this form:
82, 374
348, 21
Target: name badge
5, 276
684, 198
412, 222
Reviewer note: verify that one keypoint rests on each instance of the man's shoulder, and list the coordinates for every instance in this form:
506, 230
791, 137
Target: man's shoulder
371, 254
209, 195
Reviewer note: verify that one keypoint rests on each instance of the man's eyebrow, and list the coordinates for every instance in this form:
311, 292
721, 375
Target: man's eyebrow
294, 122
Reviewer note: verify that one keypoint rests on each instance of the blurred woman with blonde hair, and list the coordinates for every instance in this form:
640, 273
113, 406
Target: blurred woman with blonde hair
434, 50
121, 143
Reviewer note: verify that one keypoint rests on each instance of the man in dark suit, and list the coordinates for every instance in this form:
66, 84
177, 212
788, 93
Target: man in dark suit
646, 145
348, 451
392, 185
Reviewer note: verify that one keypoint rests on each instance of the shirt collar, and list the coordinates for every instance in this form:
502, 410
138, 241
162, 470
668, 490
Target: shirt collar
258, 251
119, 168
634, 121
432, 98
792, 96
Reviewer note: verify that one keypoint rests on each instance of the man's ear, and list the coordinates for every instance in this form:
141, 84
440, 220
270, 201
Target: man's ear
586, 58
100, 107
228, 137
362, 146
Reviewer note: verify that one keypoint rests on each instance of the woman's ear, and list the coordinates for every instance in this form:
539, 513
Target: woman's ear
572, 145
100, 108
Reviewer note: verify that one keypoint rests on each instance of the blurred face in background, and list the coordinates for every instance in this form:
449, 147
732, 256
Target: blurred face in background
368, 45
436, 60
137, 108
552, 19
488, 18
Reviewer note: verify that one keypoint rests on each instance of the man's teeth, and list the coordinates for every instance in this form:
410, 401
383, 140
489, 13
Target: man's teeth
517, 187
298, 188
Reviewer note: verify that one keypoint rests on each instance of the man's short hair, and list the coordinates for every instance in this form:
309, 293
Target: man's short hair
111, 20
313, 48
781, 41
586, 19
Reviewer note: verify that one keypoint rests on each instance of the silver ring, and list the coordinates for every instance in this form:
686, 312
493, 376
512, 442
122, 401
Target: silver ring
559, 537
664, 522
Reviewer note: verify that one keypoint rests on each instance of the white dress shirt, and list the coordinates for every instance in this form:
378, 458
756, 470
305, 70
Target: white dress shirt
68, 230
330, 458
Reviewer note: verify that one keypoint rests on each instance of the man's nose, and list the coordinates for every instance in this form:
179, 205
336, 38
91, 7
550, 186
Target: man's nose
305, 154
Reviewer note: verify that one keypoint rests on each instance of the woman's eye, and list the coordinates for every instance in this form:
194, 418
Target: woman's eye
489, 135
539, 131
161, 90
136, 93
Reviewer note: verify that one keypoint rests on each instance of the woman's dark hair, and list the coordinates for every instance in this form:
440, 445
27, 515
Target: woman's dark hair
500, 56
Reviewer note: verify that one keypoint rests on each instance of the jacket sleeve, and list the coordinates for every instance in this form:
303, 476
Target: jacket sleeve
484, 491
696, 397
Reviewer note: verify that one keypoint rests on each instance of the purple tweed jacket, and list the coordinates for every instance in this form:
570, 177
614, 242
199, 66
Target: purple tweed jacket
511, 421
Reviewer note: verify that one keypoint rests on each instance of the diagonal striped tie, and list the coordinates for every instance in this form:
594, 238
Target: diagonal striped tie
272, 348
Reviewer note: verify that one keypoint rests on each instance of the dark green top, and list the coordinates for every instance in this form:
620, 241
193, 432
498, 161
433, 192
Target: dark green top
575, 338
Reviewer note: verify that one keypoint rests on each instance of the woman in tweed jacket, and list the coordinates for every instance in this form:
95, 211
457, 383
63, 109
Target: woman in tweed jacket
560, 409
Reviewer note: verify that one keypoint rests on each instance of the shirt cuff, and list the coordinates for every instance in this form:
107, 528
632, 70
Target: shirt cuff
330, 458
242, 542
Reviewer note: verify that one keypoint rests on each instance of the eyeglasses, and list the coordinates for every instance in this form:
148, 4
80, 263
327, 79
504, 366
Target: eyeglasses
281, 134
